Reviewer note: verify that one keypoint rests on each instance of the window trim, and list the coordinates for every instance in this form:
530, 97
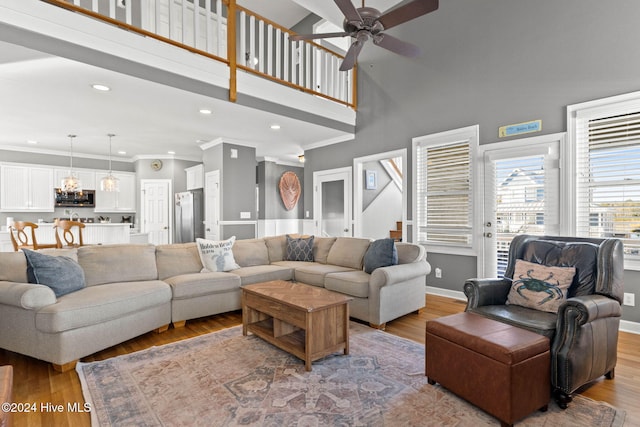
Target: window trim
470, 133
619, 104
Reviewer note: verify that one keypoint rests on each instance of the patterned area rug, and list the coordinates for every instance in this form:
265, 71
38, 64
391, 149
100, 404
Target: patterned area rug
226, 379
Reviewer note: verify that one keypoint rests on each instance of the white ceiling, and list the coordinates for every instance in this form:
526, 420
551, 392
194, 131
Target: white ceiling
44, 98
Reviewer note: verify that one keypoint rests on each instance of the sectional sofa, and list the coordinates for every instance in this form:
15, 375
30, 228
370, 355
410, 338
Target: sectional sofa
133, 289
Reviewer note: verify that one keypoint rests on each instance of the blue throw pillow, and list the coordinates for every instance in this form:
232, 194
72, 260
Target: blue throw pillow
62, 274
299, 248
381, 253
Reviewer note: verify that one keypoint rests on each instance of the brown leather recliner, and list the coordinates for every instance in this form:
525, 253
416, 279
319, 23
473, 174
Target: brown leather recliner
584, 332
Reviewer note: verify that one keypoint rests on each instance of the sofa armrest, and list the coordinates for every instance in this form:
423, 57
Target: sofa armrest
482, 292
26, 295
386, 276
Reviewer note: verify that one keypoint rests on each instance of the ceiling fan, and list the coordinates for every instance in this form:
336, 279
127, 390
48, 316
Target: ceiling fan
366, 23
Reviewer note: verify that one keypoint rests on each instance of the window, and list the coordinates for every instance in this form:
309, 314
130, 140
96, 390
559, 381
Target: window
607, 140
444, 188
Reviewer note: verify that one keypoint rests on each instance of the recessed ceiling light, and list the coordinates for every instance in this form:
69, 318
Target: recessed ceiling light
205, 111
171, 152
100, 87
122, 152
31, 141
275, 127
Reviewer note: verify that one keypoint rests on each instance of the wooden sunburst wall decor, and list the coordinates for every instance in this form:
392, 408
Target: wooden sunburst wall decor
289, 189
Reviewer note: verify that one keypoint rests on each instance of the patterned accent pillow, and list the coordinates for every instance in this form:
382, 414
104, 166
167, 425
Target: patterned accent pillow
61, 273
540, 287
299, 249
216, 255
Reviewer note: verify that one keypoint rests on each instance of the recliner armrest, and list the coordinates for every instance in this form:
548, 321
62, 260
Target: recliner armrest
482, 292
587, 308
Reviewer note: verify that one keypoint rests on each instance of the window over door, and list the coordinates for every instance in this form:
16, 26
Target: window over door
444, 189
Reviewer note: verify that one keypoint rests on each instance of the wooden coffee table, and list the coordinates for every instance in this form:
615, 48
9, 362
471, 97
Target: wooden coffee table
306, 321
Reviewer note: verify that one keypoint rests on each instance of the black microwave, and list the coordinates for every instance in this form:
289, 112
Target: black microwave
79, 199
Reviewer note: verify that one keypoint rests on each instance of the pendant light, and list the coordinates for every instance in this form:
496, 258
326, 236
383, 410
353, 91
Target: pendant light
71, 183
109, 182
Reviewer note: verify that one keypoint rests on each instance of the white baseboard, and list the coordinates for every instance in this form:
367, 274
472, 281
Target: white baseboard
625, 325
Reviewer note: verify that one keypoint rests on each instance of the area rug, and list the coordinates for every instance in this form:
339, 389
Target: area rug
226, 379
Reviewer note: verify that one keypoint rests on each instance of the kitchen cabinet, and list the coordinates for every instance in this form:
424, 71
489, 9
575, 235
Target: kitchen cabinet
26, 188
195, 177
87, 178
118, 201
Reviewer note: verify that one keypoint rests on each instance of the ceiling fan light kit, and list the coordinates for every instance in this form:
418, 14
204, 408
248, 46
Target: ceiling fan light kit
366, 23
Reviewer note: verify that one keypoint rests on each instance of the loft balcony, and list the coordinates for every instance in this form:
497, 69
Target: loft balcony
171, 43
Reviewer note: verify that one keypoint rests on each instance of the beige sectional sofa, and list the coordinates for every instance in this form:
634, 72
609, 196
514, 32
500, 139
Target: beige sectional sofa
133, 289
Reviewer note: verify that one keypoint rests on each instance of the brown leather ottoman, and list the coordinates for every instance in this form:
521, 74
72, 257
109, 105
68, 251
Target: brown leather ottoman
500, 368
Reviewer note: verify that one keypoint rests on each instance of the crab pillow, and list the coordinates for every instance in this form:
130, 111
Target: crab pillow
540, 287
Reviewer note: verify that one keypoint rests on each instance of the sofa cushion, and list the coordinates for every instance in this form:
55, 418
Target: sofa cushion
263, 273
192, 285
299, 248
117, 263
321, 247
177, 259
217, 255
348, 252
249, 252
62, 274
540, 287
13, 267
276, 246
381, 253
68, 252
352, 283
314, 274
98, 304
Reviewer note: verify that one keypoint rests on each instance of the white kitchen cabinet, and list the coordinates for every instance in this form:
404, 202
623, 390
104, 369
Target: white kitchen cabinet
195, 177
119, 201
87, 178
26, 188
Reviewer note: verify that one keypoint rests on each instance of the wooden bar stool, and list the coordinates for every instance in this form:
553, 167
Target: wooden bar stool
66, 231
23, 236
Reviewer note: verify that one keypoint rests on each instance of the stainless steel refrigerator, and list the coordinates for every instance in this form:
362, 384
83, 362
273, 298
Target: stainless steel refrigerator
189, 216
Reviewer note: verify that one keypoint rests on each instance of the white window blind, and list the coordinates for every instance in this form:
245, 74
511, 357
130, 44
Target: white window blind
608, 183
444, 191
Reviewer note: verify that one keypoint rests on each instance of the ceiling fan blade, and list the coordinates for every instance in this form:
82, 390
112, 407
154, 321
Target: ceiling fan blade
407, 12
352, 54
298, 37
349, 10
397, 46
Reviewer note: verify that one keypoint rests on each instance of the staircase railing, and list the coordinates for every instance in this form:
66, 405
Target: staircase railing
260, 47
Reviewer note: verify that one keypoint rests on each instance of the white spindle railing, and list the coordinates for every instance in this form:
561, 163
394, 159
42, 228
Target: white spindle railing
263, 48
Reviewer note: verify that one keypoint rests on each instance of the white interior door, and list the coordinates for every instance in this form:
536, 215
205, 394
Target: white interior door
521, 195
332, 202
156, 210
212, 205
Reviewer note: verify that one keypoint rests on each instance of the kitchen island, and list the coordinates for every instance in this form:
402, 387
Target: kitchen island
93, 234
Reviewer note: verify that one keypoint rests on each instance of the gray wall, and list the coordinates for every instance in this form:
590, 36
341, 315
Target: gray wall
491, 63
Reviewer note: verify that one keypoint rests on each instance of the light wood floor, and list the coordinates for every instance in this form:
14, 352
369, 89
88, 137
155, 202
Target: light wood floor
36, 382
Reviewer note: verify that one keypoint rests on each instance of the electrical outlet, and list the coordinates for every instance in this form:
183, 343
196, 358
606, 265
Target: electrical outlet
438, 273
629, 299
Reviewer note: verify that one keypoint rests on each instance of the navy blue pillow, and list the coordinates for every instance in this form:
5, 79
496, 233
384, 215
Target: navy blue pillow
62, 274
299, 249
381, 253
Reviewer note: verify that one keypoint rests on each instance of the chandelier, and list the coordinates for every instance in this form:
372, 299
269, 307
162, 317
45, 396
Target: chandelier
71, 183
109, 182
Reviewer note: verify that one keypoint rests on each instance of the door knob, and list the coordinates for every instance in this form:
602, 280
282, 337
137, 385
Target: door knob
488, 234
346, 230
208, 229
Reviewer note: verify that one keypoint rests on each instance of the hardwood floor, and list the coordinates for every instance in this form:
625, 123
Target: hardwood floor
35, 382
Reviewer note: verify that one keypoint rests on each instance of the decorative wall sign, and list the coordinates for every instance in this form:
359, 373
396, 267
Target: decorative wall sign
289, 189
520, 128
